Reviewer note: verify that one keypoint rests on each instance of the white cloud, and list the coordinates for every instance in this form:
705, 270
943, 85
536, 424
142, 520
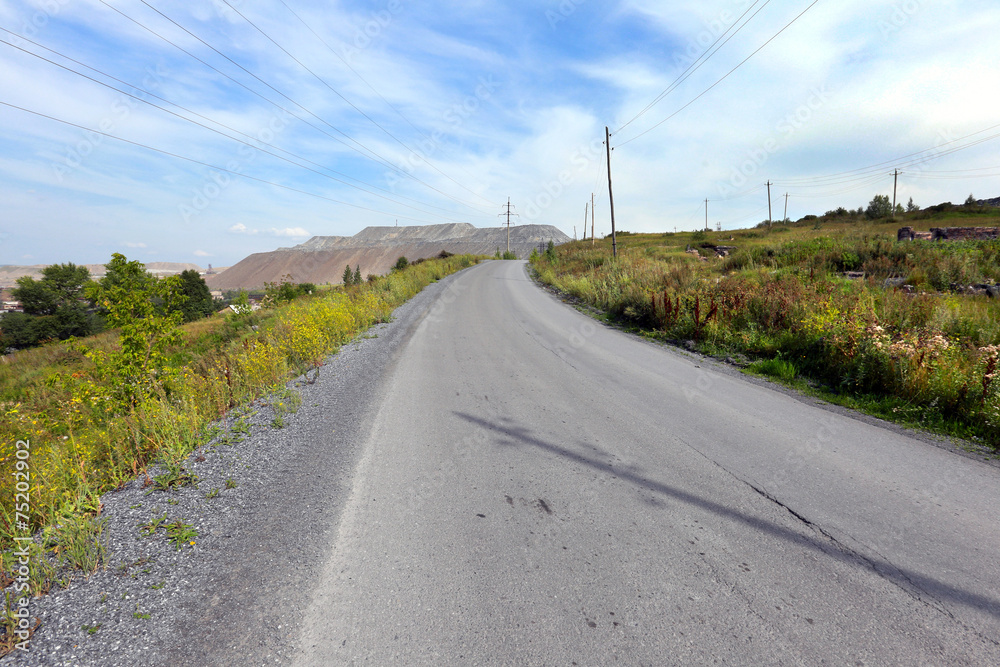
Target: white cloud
899, 76
289, 231
134, 245
240, 228
201, 253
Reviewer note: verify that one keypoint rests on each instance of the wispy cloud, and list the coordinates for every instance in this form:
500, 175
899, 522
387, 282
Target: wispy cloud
419, 141
240, 228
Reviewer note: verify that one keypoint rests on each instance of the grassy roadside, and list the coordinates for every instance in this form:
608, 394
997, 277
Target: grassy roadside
782, 302
81, 444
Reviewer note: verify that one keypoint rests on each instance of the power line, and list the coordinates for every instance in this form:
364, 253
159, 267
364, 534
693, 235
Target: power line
381, 97
724, 77
351, 104
363, 150
701, 60
202, 125
918, 158
205, 164
354, 71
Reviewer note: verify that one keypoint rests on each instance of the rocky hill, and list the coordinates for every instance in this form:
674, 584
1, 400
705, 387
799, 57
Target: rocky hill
322, 259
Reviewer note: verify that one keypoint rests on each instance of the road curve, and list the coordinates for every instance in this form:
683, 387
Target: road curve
540, 489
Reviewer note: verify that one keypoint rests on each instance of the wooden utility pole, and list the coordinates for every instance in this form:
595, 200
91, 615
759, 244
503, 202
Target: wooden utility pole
611, 194
769, 204
592, 241
706, 215
586, 212
786, 207
895, 181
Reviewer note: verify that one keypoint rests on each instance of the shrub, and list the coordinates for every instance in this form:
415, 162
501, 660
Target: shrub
879, 207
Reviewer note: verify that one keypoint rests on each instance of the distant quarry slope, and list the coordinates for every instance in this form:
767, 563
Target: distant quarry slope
9, 273
322, 259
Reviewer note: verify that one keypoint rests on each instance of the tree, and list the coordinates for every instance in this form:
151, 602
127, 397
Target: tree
53, 307
147, 312
61, 285
198, 301
550, 251
19, 331
879, 207
970, 200
911, 207
401, 264
357, 274
35, 297
348, 278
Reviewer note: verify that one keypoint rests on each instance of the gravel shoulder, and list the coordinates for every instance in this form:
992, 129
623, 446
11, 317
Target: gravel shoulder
238, 594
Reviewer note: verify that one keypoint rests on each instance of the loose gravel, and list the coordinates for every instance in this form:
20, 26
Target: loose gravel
266, 508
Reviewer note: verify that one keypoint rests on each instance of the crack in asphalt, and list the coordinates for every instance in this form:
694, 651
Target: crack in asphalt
915, 592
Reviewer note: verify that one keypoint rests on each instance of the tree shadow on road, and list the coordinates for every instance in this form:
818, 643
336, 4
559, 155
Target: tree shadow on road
916, 584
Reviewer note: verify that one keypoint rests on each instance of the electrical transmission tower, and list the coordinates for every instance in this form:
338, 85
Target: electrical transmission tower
508, 214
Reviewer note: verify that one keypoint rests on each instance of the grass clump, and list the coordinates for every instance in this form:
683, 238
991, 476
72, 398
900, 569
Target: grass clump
775, 368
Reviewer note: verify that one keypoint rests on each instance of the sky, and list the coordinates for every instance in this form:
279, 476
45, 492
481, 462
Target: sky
205, 131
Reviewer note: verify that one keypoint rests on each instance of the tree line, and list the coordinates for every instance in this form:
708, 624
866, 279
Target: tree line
66, 303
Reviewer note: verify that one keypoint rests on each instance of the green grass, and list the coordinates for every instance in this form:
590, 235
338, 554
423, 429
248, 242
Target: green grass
775, 368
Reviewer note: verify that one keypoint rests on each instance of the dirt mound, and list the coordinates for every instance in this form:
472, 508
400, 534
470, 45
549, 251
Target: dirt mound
322, 259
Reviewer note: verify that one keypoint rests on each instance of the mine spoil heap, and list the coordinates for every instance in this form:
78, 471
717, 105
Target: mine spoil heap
322, 259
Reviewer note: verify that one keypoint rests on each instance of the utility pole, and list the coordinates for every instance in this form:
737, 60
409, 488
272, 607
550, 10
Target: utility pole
769, 204
895, 181
585, 214
508, 214
786, 207
611, 194
592, 241
706, 215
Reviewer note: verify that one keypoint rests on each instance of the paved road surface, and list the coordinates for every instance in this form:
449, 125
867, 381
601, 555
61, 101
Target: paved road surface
540, 489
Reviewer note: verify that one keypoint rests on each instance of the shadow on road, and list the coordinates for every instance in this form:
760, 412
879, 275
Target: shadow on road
910, 581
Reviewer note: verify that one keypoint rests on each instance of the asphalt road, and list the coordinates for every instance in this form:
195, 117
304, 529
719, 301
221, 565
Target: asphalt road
540, 489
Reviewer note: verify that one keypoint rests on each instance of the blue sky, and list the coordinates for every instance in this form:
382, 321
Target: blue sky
365, 113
